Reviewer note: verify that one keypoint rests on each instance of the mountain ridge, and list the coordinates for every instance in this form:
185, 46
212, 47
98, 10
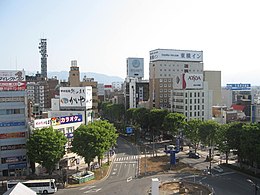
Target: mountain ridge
100, 78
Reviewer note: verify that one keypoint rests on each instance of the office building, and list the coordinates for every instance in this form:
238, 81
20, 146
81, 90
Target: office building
13, 123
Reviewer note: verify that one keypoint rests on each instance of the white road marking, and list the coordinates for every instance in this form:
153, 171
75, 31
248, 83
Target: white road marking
87, 187
93, 190
129, 179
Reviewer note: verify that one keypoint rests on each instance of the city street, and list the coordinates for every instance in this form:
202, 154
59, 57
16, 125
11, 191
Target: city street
122, 176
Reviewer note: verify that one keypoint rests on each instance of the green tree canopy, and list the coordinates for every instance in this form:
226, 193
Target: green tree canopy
191, 130
156, 118
93, 140
174, 122
46, 146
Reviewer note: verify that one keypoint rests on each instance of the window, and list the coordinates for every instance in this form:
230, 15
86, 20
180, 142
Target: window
169, 85
186, 71
165, 95
186, 94
169, 80
198, 113
198, 94
202, 107
161, 100
190, 114
165, 80
202, 101
165, 90
198, 101
195, 101
190, 107
194, 113
161, 85
186, 101
198, 107
161, 80
202, 113
202, 94
161, 90
190, 94
195, 107
165, 85
190, 101
195, 94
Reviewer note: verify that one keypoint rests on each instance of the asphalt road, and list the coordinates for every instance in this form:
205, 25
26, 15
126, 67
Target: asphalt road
122, 178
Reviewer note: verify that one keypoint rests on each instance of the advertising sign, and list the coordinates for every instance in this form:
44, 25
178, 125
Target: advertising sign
11, 124
176, 55
71, 97
39, 123
66, 120
12, 75
192, 81
13, 147
17, 166
239, 87
12, 86
177, 81
12, 135
13, 159
135, 67
188, 81
12, 80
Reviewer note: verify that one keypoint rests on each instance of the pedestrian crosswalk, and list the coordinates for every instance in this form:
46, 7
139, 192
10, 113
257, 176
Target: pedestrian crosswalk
126, 158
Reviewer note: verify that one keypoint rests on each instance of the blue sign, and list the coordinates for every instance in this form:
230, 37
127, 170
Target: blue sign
129, 130
69, 135
239, 87
17, 166
9, 124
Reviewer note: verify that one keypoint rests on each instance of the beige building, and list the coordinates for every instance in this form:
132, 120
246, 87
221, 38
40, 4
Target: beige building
74, 81
166, 68
214, 83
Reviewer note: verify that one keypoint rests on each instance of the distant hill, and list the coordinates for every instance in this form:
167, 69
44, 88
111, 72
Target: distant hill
100, 78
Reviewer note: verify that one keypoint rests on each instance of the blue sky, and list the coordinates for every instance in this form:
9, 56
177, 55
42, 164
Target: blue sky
101, 34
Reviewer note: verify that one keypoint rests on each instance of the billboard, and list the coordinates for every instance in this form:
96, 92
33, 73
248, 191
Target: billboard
12, 80
239, 87
76, 97
11, 124
176, 55
188, 81
135, 67
66, 120
12, 135
60, 120
192, 81
40, 123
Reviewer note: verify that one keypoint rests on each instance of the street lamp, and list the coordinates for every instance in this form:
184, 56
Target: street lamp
253, 184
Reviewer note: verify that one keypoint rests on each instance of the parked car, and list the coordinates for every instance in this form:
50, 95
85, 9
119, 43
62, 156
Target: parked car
194, 155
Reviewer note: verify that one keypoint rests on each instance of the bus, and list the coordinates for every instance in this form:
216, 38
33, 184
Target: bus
40, 186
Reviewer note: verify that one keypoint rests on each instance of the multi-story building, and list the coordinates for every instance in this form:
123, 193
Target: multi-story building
214, 83
136, 90
166, 69
194, 104
74, 81
13, 123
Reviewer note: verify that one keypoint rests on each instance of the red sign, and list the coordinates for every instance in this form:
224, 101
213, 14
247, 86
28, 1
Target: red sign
12, 86
12, 135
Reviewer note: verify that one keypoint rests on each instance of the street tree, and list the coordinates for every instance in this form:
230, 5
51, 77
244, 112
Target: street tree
94, 140
156, 118
250, 143
174, 122
208, 131
233, 136
46, 146
222, 140
191, 130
